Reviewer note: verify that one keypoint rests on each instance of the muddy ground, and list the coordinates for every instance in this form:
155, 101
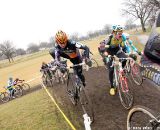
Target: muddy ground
109, 113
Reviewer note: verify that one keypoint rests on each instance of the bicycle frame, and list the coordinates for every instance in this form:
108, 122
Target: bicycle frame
119, 71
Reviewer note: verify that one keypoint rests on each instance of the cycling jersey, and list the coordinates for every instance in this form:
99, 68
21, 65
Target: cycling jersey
114, 42
71, 50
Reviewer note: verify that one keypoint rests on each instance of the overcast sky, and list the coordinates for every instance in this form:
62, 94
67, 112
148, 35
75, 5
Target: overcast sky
34, 21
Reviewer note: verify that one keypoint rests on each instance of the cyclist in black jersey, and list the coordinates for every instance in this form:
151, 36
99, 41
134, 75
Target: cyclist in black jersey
69, 49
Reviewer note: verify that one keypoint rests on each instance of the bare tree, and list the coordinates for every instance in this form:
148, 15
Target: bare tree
8, 50
74, 36
155, 3
129, 24
20, 51
51, 42
106, 29
140, 9
32, 48
43, 45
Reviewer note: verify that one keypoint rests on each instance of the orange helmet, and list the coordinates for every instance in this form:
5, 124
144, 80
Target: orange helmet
61, 37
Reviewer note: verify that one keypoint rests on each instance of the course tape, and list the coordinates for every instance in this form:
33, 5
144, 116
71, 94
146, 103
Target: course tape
32, 79
68, 121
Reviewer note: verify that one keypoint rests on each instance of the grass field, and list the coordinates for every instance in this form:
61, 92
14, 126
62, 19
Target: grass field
35, 111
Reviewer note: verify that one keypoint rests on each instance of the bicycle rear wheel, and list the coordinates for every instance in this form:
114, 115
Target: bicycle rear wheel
136, 74
71, 89
86, 104
26, 87
125, 92
142, 118
18, 92
4, 97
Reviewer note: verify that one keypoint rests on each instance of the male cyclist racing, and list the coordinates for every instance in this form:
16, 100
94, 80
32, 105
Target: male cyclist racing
115, 41
69, 49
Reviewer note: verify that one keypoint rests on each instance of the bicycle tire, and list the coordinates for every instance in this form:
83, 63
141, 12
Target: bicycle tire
71, 89
4, 97
18, 92
146, 113
86, 104
26, 87
48, 81
94, 63
125, 92
136, 75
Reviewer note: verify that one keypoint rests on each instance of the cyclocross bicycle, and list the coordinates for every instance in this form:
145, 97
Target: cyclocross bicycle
77, 93
122, 82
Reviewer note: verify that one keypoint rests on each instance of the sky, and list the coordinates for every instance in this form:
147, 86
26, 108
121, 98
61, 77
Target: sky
33, 21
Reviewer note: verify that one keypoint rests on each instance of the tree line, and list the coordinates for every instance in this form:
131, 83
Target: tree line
144, 10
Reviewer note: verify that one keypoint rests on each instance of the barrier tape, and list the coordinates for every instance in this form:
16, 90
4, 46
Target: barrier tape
65, 117
32, 79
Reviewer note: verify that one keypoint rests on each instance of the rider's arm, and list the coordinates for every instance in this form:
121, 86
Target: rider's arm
132, 46
108, 41
57, 56
82, 46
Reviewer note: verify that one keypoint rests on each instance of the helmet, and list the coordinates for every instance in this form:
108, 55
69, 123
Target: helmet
10, 78
61, 37
127, 35
114, 28
119, 28
44, 63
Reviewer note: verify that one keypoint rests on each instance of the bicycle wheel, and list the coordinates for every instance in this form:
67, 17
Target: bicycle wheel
142, 118
86, 104
136, 74
4, 97
26, 87
71, 89
94, 63
18, 92
47, 81
125, 93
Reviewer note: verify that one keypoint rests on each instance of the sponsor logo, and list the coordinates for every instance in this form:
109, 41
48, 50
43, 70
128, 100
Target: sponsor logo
152, 75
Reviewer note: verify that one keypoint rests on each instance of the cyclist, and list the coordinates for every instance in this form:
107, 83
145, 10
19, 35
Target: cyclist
45, 67
115, 42
9, 87
16, 81
131, 48
69, 49
102, 49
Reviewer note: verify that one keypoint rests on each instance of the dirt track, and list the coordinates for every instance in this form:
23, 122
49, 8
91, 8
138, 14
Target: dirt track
109, 113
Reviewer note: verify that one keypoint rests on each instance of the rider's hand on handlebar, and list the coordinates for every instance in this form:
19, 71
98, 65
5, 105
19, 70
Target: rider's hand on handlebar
106, 46
88, 62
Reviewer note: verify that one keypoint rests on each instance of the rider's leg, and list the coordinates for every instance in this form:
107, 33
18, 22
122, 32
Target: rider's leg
122, 55
111, 71
78, 69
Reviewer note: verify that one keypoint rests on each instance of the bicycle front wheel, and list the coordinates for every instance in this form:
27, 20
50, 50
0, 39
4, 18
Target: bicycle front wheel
71, 89
86, 104
136, 74
26, 87
4, 97
125, 92
94, 63
142, 118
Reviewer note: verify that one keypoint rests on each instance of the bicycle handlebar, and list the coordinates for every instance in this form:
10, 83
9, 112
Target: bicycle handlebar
80, 64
